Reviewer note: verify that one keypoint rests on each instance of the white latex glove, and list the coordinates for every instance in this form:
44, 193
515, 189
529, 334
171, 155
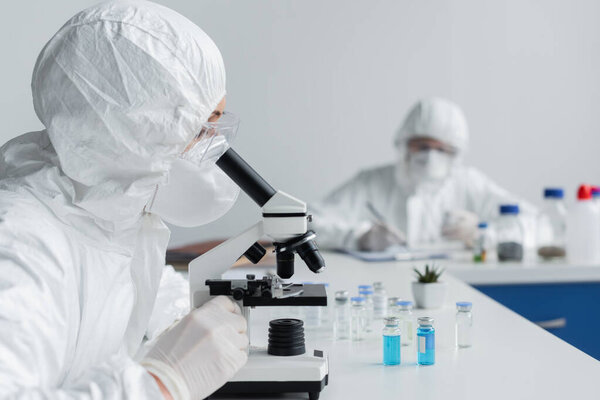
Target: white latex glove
379, 237
201, 352
460, 225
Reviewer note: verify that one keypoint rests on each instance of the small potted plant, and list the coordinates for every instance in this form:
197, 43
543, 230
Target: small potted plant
428, 291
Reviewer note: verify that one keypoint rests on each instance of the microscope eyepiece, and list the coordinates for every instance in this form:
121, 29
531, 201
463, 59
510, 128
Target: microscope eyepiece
306, 248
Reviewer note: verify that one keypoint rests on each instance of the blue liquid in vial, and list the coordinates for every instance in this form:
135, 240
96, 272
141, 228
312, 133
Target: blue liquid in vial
426, 348
391, 350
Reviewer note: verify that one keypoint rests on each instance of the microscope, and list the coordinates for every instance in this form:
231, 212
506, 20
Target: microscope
285, 366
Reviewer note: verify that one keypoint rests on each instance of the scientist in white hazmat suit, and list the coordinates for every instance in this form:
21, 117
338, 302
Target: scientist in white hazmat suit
427, 198
125, 90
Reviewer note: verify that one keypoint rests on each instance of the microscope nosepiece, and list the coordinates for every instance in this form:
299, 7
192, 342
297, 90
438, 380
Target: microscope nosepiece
306, 248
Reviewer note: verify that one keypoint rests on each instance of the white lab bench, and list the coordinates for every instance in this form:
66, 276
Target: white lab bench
511, 358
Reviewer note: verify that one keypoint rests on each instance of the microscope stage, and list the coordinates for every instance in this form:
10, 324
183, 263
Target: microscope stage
309, 295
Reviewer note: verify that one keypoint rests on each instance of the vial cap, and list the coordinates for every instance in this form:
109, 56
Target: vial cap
405, 304
425, 321
554, 193
464, 305
393, 300
367, 292
361, 287
482, 225
509, 209
392, 321
358, 299
584, 192
595, 191
378, 285
341, 296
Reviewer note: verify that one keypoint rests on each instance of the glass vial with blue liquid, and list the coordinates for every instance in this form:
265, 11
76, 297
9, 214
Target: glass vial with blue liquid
425, 341
391, 341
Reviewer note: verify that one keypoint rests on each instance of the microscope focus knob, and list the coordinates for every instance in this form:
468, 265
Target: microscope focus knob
238, 294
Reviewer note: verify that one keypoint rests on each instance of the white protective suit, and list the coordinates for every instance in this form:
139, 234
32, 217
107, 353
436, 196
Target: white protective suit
121, 88
417, 209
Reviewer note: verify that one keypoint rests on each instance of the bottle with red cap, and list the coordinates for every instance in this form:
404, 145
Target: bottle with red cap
583, 229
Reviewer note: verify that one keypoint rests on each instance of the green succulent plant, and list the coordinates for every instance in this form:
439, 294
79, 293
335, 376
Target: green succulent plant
431, 275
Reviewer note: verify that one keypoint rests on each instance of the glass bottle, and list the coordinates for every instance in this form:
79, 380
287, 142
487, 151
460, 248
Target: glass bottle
357, 318
369, 309
552, 226
379, 301
391, 341
464, 324
425, 341
509, 234
405, 315
343, 317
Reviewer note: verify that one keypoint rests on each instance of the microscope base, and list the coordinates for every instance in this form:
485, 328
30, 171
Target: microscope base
265, 373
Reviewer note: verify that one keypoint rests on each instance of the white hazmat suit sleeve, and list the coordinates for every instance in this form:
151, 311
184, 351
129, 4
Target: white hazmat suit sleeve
35, 320
172, 302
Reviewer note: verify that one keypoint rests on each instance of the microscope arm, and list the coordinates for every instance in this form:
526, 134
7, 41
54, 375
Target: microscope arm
217, 261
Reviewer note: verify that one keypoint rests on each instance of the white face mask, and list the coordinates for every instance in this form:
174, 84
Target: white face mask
429, 166
198, 192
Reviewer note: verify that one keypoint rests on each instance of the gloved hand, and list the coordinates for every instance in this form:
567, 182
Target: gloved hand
379, 237
460, 225
201, 352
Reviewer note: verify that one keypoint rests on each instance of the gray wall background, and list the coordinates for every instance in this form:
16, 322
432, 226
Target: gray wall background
321, 86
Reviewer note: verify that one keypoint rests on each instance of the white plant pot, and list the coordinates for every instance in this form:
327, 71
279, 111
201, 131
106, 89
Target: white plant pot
429, 295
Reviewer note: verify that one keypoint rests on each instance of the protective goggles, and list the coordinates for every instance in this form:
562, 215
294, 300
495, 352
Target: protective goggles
415, 146
213, 139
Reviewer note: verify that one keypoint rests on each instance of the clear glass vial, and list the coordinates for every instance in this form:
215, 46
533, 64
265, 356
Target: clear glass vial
357, 312
326, 311
379, 301
369, 309
392, 301
425, 341
464, 324
342, 321
405, 315
482, 243
391, 341
313, 315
